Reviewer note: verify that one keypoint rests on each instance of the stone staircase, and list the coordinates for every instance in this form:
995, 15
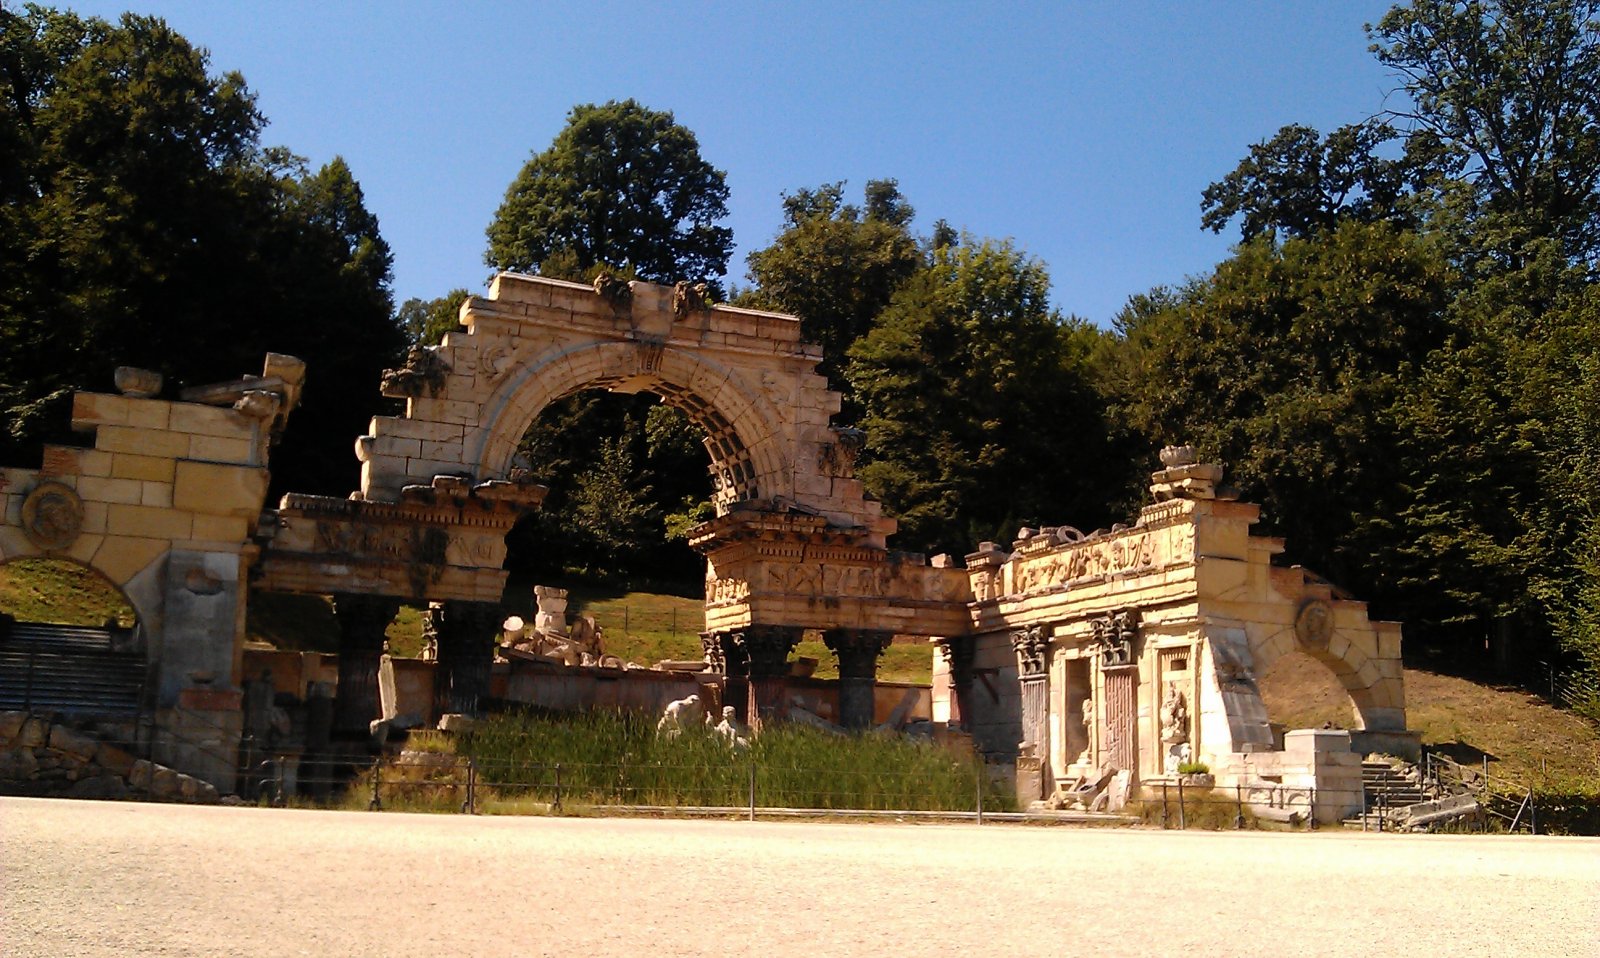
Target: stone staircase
1398, 799
68, 669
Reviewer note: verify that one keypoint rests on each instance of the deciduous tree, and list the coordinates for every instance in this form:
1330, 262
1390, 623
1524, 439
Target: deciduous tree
622, 186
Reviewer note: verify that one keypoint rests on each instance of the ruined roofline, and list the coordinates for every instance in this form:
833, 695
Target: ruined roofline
503, 284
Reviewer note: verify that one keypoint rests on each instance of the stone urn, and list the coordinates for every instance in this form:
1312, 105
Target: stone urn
1174, 456
1202, 780
137, 383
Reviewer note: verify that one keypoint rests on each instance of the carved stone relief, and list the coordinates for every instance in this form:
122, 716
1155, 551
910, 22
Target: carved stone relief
1114, 636
424, 374
52, 516
1313, 624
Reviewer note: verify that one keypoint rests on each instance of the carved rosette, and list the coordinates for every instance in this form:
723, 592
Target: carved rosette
52, 516
1030, 644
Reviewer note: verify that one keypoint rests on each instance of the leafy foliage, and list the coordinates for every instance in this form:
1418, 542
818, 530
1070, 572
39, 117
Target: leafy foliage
1298, 183
622, 185
970, 396
143, 223
1508, 94
1286, 364
426, 321
836, 266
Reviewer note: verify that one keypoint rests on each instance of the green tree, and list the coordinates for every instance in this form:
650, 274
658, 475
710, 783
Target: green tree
1497, 435
426, 321
1286, 364
1507, 95
977, 415
1299, 182
144, 224
622, 185
836, 266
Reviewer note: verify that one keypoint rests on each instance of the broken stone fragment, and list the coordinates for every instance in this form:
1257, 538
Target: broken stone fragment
137, 383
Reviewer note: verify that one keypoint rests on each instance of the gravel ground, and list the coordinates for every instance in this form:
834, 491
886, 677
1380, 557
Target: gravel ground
106, 878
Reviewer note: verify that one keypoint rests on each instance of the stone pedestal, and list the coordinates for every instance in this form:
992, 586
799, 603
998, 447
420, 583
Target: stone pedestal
857, 651
766, 648
466, 632
362, 621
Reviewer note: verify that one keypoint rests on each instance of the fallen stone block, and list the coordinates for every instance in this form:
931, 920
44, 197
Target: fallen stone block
98, 787
70, 742
11, 726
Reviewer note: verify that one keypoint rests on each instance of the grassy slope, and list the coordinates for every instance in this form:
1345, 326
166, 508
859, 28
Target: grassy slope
1523, 737
40, 590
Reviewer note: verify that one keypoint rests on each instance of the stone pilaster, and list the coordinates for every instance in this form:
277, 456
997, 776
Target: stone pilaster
362, 620
466, 632
766, 648
1032, 646
959, 653
857, 651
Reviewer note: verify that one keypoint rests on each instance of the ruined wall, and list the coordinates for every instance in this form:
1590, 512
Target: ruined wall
164, 505
1150, 639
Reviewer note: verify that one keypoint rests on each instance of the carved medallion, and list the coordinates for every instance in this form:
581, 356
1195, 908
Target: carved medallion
52, 516
1313, 624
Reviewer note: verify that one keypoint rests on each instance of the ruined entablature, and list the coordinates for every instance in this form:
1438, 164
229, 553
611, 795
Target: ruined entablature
440, 541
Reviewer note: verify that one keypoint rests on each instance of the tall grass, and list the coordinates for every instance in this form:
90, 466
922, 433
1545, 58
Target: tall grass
609, 758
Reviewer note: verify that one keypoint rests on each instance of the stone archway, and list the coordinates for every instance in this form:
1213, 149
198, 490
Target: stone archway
796, 542
728, 412
1374, 689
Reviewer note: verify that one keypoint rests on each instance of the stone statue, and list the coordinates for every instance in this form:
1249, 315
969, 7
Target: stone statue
731, 730
1174, 716
681, 715
1087, 710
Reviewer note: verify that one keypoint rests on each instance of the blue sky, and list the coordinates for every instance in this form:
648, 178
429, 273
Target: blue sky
1083, 132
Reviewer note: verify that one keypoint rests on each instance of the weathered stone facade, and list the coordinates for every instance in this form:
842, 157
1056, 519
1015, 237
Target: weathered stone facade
1139, 648
165, 505
1129, 651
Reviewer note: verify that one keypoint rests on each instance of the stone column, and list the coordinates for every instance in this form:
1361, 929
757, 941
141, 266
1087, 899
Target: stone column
857, 651
959, 654
726, 658
362, 620
767, 648
1033, 752
467, 632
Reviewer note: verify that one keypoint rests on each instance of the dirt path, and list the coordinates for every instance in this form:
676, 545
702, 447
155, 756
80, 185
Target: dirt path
82, 878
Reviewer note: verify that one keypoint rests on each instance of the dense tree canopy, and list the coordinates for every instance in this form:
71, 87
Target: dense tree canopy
836, 265
144, 224
1427, 434
622, 186
1286, 364
1298, 182
974, 406
1507, 95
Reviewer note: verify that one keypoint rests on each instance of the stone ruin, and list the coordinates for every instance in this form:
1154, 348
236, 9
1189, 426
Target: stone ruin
551, 638
1092, 664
